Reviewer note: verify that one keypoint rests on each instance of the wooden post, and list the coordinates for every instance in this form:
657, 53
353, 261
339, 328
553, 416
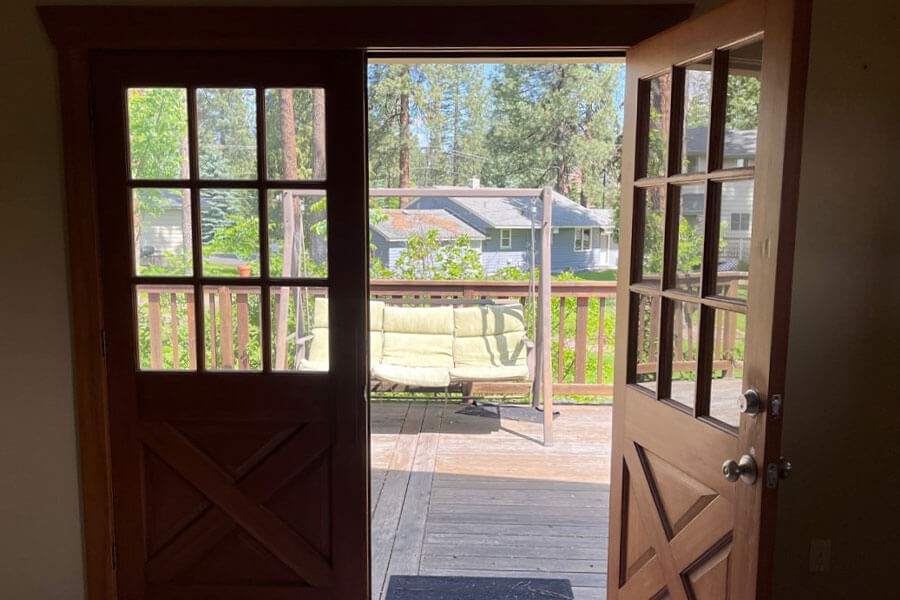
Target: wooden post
155, 317
581, 319
544, 364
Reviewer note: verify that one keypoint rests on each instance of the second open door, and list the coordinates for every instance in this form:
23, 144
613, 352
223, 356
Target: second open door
712, 126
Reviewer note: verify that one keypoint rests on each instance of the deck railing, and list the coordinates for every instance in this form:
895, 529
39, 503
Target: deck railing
583, 317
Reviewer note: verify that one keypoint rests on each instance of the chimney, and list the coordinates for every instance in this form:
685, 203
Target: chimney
474, 183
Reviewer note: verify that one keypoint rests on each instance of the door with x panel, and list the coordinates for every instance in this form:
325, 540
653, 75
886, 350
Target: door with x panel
232, 201
711, 151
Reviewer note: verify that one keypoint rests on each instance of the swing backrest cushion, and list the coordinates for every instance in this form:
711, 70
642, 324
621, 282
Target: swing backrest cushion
418, 337
318, 349
491, 335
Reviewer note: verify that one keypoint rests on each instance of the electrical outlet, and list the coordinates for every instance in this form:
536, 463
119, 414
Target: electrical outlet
819, 555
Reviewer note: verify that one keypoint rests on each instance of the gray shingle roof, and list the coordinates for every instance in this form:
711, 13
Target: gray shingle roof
401, 224
737, 142
515, 212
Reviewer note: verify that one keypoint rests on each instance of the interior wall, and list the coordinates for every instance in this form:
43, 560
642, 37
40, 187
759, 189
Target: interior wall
841, 408
842, 400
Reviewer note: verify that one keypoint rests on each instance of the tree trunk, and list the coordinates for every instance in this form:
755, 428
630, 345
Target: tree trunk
289, 172
318, 250
186, 243
404, 137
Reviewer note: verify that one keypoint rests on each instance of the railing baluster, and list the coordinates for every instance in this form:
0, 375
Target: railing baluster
227, 333
641, 330
243, 329
581, 318
730, 338
192, 331
155, 317
678, 332
213, 346
173, 331
561, 342
600, 338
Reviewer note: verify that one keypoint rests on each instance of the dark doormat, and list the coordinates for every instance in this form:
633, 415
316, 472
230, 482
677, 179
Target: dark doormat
404, 587
511, 412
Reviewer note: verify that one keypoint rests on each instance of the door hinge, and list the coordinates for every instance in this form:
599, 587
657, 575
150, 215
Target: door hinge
91, 111
775, 402
115, 557
103, 342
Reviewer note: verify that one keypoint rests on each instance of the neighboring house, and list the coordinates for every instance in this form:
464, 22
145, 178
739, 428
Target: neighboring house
390, 236
582, 237
160, 232
737, 196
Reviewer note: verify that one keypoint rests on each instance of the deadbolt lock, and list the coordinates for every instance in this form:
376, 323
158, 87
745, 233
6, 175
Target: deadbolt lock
750, 402
745, 469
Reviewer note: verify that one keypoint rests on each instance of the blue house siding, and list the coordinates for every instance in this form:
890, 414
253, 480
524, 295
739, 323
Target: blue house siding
387, 252
563, 255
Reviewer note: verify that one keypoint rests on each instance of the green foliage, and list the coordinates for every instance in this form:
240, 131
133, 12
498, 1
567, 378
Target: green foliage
226, 132
559, 125
426, 257
742, 108
512, 273
157, 125
698, 87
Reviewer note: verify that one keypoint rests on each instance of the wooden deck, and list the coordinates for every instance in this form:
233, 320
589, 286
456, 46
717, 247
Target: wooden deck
476, 495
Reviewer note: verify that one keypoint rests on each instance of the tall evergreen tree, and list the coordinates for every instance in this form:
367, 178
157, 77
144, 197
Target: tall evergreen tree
557, 124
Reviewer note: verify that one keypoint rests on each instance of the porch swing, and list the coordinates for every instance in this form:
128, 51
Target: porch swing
459, 344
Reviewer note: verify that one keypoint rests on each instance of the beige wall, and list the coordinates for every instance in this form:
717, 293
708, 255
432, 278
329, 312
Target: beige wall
842, 402
841, 424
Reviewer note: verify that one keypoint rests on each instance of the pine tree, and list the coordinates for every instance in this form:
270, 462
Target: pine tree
557, 124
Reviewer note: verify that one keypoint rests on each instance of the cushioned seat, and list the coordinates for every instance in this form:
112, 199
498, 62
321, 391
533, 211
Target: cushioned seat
427, 377
505, 373
418, 346
489, 343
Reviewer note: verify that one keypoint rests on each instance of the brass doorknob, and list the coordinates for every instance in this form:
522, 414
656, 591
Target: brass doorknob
745, 469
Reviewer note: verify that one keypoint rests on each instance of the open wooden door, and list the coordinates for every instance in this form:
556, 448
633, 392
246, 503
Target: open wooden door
712, 143
240, 469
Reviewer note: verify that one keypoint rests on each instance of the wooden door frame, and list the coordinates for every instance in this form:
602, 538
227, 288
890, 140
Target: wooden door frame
78, 31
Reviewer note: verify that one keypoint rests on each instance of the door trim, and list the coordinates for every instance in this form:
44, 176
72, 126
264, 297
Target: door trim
78, 31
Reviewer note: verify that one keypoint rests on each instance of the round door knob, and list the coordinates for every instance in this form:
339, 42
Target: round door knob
745, 469
750, 402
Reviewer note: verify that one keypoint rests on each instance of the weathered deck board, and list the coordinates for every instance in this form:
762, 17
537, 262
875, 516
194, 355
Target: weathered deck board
468, 495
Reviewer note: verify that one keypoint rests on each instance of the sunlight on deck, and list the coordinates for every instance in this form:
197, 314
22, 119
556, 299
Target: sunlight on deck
460, 491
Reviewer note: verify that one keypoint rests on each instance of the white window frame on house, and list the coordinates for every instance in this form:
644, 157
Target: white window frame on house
579, 236
508, 243
741, 216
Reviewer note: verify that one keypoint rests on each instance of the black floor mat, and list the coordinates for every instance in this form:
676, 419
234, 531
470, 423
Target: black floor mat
512, 412
403, 587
